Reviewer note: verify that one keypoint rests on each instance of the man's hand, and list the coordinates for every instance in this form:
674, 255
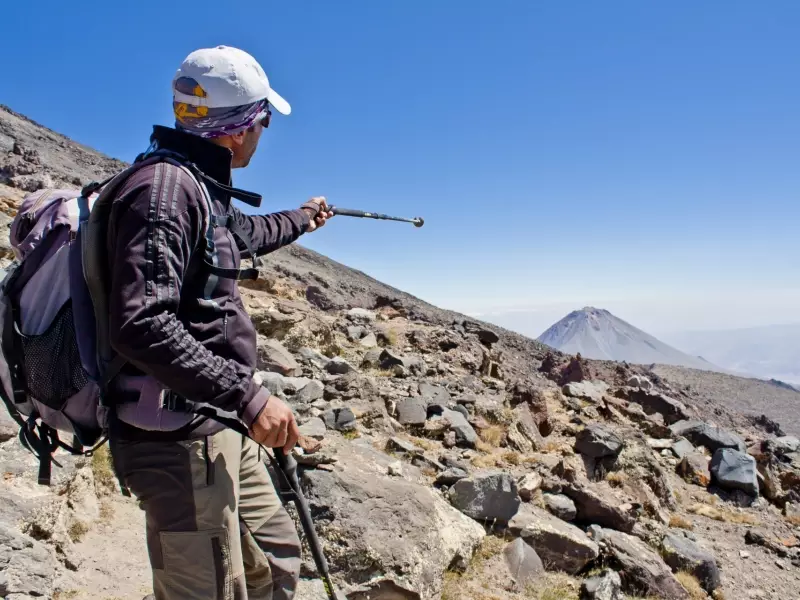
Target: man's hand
276, 427
317, 206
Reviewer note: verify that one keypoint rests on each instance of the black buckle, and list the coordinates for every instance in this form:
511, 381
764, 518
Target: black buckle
174, 403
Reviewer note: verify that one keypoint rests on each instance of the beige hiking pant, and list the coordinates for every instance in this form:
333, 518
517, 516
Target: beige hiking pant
216, 528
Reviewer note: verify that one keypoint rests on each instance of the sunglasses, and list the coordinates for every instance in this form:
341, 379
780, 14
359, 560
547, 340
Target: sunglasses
267, 118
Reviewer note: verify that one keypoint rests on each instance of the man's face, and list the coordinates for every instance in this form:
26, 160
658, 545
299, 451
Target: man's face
243, 152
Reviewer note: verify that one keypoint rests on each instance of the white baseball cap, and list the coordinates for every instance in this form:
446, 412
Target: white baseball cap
226, 77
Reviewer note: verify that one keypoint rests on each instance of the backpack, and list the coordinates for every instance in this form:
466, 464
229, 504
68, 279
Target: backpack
55, 358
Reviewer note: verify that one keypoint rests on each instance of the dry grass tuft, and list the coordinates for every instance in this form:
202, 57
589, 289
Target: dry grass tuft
793, 520
553, 586
617, 478
691, 585
77, 530
103, 471
719, 514
512, 458
494, 435
718, 595
680, 522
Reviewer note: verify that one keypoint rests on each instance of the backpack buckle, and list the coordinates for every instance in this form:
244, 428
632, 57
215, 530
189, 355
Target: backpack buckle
174, 403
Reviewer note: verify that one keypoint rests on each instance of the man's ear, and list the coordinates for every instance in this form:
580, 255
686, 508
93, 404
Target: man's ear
238, 138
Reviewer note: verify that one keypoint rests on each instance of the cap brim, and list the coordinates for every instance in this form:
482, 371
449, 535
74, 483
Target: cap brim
281, 105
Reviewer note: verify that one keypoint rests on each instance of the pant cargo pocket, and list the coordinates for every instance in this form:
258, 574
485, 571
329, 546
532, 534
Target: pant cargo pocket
197, 565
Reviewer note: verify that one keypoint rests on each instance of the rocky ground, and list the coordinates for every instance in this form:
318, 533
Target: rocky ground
447, 459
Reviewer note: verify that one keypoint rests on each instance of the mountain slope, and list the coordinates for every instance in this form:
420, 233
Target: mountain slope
596, 333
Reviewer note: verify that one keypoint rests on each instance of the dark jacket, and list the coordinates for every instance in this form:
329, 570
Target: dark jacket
177, 335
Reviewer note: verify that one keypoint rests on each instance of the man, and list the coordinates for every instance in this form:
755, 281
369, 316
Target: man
216, 528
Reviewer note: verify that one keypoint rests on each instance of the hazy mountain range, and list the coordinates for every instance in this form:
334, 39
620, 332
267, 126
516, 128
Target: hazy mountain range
771, 352
596, 333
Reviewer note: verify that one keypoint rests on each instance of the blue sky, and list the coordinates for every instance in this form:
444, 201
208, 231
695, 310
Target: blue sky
639, 156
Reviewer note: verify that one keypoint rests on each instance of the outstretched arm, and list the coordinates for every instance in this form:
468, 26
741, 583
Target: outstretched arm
272, 231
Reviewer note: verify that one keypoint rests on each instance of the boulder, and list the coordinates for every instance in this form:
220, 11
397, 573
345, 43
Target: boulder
451, 475
412, 364
694, 469
412, 411
368, 341
644, 573
710, 436
339, 366
491, 497
523, 432
605, 586
465, 434
522, 561
593, 508
528, 485
434, 394
341, 419
313, 358
273, 356
683, 554
733, 470
561, 506
561, 546
598, 441
682, 447
672, 410
360, 315
356, 332
313, 428
587, 390
641, 382
27, 566
783, 445
311, 391
386, 532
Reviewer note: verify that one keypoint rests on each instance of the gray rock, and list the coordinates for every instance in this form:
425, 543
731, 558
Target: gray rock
528, 485
27, 567
341, 419
403, 533
434, 394
522, 561
361, 315
368, 341
703, 434
409, 364
486, 497
273, 356
783, 445
465, 434
694, 469
606, 586
561, 506
292, 385
645, 573
672, 410
451, 475
356, 332
372, 358
592, 508
682, 447
412, 411
561, 546
460, 409
314, 428
6, 143
339, 366
274, 382
733, 470
598, 441
396, 444
312, 357
683, 554
588, 390
313, 390
487, 336
639, 381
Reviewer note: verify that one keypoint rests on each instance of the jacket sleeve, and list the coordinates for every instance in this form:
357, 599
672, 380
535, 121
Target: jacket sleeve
269, 232
149, 250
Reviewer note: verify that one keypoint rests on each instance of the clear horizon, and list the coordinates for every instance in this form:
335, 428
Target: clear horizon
630, 157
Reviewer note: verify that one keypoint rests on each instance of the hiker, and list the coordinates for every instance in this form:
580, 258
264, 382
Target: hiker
216, 527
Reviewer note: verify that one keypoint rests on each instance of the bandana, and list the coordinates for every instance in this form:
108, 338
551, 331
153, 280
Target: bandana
213, 122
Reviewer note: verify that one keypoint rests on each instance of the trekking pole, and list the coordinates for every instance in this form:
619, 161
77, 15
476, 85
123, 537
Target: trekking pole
349, 212
288, 465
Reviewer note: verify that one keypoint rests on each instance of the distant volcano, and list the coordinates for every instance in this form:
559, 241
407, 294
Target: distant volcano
597, 334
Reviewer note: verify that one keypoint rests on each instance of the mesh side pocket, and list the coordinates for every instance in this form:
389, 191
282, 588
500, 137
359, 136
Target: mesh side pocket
52, 362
